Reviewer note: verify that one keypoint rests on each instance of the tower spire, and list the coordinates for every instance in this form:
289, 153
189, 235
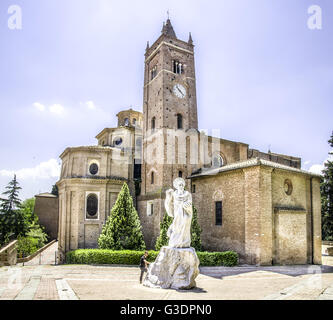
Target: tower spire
168, 29
190, 40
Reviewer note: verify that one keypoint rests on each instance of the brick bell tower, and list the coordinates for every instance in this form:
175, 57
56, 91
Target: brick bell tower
169, 108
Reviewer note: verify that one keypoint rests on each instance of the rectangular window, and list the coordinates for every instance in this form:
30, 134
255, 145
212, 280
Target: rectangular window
150, 208
218, 213
193, 188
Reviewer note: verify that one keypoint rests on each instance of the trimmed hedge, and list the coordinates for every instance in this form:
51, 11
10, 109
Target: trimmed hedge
226, 258
128, 257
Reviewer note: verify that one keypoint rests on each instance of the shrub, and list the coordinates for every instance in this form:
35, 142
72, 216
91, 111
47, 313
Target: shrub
26, 246
226, 258
37, 232
104, 256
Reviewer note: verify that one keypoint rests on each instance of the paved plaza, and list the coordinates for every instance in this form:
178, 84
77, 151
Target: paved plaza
47, 281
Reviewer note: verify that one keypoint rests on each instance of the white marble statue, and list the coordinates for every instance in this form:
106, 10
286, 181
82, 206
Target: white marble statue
178, 204
177, 265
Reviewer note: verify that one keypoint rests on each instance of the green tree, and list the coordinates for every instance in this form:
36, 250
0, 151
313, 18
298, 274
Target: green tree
13, 223
36, 231
27, 208
12, 202
326, 188
163, 239
55, 190
123, 228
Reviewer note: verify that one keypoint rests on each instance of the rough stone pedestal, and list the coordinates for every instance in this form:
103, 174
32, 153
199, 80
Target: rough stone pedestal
174, 268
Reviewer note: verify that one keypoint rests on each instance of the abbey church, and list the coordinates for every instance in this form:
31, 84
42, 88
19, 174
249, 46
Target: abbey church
261, 205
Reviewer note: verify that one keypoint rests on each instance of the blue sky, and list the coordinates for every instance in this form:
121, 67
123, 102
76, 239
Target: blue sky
263, 77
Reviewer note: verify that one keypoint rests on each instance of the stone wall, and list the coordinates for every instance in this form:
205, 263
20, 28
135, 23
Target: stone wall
76, 229
8, 254
47, 210
262, 220
229, 189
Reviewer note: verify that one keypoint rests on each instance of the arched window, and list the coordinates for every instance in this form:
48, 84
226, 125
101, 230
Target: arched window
153, 72
217, 161
179, 121
152, 177
218, 213
177, 67
126, 122
92, 206
134, 122
180, 174
153, 123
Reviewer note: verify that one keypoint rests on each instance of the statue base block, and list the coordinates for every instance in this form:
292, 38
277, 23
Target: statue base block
174, 268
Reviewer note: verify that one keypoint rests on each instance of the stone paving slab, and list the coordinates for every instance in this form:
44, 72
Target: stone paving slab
65, 291
105, 282
29, 291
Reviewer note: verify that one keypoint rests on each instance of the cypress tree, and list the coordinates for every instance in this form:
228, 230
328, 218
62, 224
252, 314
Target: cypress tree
55, 190
122, 230
195, 231
163, 239
326, 188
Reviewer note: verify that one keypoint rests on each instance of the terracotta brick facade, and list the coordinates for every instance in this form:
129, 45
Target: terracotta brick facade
270, 208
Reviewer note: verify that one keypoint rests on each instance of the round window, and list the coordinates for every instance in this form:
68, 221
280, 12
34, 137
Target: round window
93, 169
118, 142
92, 205
288, 187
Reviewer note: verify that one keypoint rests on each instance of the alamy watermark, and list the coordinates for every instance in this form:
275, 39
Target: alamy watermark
315, 19
14, 279
15, 18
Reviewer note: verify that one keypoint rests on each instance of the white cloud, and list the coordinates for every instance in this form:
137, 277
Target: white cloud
57, 109
39, 106
90, 105
318, 168
45, 170
307, 162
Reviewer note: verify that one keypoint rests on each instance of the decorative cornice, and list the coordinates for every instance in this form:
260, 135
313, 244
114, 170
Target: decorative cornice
87, 148
170, 45
251, 163
93, 180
